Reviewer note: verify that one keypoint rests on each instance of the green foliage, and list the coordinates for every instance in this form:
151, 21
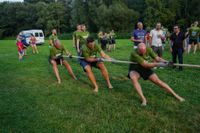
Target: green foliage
65, 36
120, 15
157, 12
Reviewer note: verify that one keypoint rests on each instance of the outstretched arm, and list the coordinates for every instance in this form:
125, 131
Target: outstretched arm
51, 42
158, 59
92, 59
145, 64
78, 45
103, 55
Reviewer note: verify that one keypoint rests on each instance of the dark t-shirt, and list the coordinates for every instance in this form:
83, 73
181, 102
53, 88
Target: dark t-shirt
177, 40
23, 39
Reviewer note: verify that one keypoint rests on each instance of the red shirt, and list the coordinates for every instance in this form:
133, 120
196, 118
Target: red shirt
19, 45
148, 36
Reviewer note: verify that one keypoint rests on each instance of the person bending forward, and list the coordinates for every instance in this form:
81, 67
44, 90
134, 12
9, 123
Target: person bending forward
56, 53
142, 56
89, 52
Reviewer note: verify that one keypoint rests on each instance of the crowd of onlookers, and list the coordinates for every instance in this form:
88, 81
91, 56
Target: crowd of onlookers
179, 41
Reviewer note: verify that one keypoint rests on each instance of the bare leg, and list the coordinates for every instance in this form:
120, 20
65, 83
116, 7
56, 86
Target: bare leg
20, 56
109, 47
134, 78
114, 46
55, 69
33, 50
91, 77
105, 74
154, 78
195, 48
189, 47
199, 44
68, 67
25, 52
36, 50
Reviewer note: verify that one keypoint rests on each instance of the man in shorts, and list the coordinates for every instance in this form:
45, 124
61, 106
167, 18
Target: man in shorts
194, 33
56, 58
89, 52
143, 56
111, 41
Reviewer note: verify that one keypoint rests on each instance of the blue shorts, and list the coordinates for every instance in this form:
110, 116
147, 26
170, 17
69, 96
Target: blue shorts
84, 63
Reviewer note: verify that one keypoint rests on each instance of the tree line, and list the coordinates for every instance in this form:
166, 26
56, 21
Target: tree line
104, 15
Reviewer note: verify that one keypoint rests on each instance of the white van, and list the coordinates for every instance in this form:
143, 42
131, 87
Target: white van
39, 35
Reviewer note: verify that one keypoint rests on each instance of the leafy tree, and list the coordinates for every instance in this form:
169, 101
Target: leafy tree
119, 15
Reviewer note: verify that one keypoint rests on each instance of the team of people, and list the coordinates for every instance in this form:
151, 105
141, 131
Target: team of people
107, 40
147, 53
88, 50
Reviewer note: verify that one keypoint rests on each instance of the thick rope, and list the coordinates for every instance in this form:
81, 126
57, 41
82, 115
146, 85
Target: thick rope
129, 62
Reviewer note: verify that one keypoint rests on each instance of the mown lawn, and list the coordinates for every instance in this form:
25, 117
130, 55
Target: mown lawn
32, 101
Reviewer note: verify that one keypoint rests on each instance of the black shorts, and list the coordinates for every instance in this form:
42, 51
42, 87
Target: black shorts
143, 72
58, 60
158, 50
104, 42
112, 41
24, 47
191, 41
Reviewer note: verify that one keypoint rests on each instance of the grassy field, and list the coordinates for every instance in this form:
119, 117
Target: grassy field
32, 101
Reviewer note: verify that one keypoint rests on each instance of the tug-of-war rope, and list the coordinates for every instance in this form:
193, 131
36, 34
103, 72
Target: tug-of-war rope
129, 62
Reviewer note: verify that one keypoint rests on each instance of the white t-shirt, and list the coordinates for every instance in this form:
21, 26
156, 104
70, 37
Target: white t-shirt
156, 40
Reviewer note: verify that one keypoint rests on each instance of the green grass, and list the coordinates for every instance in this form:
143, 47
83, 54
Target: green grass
32, 101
